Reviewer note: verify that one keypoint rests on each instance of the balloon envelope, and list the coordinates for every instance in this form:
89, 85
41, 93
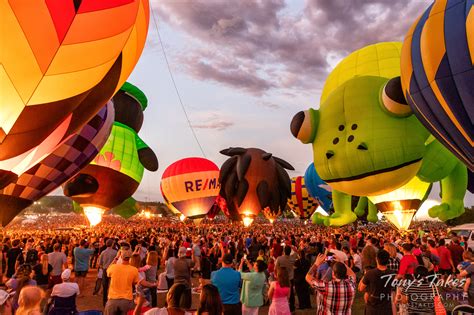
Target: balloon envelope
438, 74
381, 60
301, 202
63, 163
61, 62
191, 186
251, 180
317, 188
115, 173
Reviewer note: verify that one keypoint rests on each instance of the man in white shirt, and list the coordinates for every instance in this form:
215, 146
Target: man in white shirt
65, 289
58, 260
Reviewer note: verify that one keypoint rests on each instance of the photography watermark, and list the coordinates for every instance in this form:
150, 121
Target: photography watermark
432, 280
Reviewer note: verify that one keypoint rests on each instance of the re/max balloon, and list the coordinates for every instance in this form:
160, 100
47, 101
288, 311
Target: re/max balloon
63, 163
317, 188
438, 74
60, 62
191, 186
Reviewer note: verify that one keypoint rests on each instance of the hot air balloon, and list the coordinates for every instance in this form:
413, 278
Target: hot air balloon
437, 72
114, 175
61, 61
317, 188
251, 180
400, 205
381, 60
301, 203
366, 142
60, 165
190, 185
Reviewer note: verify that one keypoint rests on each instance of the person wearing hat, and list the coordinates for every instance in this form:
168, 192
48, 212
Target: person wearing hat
182, 268
123, 278
227, 281
66, 288
6, 307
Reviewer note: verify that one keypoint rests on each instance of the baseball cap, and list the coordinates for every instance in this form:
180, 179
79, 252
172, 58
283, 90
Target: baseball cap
66, 274
227, 259
4, 295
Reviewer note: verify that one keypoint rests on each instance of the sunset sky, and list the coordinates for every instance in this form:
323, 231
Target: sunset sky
244, 68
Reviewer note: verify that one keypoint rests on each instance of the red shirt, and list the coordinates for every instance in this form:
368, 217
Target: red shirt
408, 265
277, 250
444, 257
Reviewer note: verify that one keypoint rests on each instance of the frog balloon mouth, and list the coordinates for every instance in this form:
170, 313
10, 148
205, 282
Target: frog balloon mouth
384, 170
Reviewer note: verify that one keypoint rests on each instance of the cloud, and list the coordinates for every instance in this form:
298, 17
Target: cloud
213, 121
269, 104
264, 45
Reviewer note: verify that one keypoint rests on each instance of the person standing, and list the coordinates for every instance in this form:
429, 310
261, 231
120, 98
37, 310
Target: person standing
378, 292
209, 301
227, 281
279, 292
446, 266
123, 277
169, 268
288, 261
42, 272
253, 282
456, 251
338, 294
58, 261
106, 258
28, 256
182, 268
302, 266
82, 255
12, 256
408, 263
368, 255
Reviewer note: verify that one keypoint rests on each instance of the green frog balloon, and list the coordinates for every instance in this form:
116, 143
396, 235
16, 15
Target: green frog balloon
366, 142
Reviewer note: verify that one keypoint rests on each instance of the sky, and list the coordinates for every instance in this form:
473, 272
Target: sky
244, 68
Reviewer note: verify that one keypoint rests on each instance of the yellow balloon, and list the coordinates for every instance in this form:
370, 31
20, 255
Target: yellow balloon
381, 59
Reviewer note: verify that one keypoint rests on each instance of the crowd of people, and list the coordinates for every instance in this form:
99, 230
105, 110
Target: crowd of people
235, 270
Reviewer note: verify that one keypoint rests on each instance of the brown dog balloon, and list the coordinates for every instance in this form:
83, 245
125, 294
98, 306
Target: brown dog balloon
251, 180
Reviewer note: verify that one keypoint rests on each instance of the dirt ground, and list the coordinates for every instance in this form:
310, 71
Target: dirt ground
91, 302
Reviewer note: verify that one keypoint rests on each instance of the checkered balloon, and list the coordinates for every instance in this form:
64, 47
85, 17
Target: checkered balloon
301, 203
63, 163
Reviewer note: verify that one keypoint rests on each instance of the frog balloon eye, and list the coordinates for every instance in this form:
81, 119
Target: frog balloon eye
393, 100
304, 125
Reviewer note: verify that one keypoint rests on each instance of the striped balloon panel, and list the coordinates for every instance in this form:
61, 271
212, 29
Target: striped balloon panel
301, 202
191, 185
60, 62
438, 74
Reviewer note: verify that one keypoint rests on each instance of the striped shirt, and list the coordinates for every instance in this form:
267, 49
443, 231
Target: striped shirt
420, 297
336, 296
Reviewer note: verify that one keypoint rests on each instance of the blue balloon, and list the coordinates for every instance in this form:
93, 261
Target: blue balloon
317, 188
